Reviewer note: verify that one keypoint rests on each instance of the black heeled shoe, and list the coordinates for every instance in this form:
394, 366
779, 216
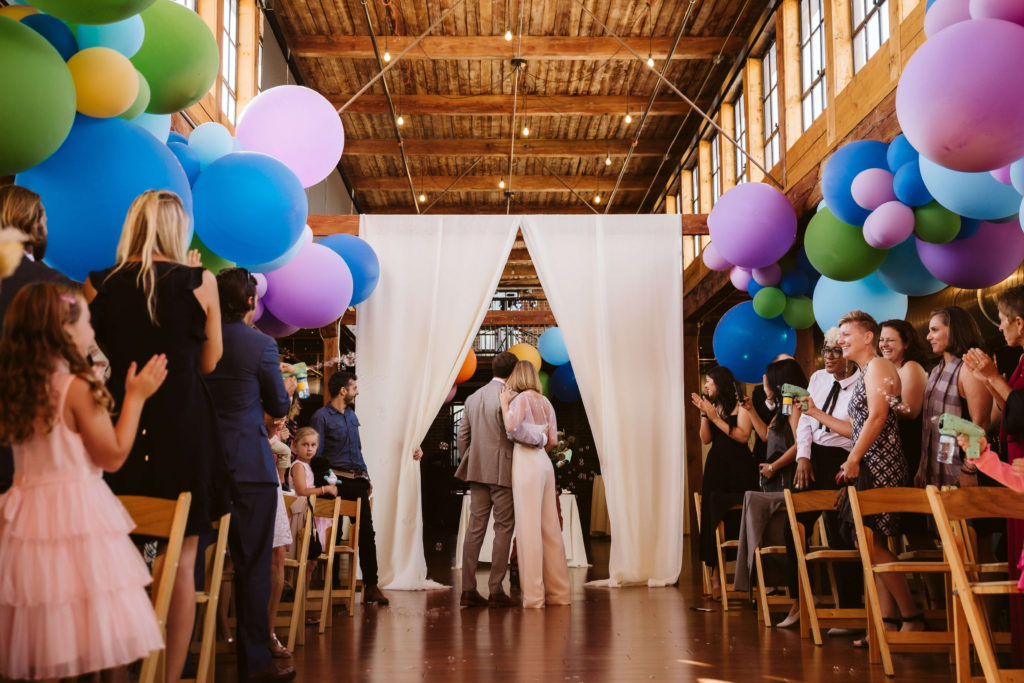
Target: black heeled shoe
862, 643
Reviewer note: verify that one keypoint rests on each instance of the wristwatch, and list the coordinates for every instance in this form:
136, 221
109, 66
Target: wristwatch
771, 468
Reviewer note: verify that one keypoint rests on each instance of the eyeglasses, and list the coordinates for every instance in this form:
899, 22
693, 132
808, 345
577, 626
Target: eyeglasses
831, 351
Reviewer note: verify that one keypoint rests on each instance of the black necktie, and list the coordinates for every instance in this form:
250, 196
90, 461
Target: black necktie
831, 400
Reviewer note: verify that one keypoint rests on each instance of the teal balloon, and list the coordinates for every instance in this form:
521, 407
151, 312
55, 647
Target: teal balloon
552, 347
37, 98
975, 195
157, 125
903, 272
92, 11
56, 33
833, 299
799, 312
838, 250
770, 302
179, 57
125, 36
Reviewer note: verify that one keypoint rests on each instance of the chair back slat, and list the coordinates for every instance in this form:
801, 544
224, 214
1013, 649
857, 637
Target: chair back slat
811, 501
896, 499
974, 502
152, 516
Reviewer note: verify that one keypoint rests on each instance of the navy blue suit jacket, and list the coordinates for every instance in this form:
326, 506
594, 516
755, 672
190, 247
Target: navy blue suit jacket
246, 383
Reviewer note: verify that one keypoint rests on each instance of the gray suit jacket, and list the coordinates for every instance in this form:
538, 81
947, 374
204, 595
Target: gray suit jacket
485, 447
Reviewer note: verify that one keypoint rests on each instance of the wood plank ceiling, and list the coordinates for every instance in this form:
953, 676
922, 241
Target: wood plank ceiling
455, 92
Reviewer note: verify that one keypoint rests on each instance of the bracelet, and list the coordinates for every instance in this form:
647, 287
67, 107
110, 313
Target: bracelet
704, 416
964, 470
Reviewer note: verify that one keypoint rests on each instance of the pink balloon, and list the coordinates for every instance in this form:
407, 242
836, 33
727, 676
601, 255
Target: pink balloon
1002, 175
768, 276
872, 187
714, 260
889, 225
740, 278
945, 13
261, 284
451, 394
1007, 10
984, 259
297, 126
313, 290
960, 100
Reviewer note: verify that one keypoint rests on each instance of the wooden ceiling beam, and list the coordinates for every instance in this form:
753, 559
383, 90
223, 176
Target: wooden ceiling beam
499, 147
489, 183
501, 105
333, 224
491, 318
562, 48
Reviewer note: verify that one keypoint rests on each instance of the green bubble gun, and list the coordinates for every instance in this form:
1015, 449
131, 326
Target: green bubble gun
789, 392
301, 375
949, 427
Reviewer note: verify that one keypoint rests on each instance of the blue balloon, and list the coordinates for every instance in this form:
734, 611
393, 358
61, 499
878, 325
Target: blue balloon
794, 283
833, 299
280, 261
900, 153
187, 158
125, 36
753, 288
249, 207
175, 136
563, 384
361, 260
55, 31
157, 125
909, 186
903, 272
746, 343
974, 195
1017, 175
88, 184
552, 347
969, 226
840, 170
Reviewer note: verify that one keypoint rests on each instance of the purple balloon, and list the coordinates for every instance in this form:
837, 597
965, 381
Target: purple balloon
260, 309
740, 278
1002, 175
888, 225
268, 324
1007, 10
945, 13
297, 126
261, 284
313, 290
713, 259
960, 100
768, 276
872, 187
753, 225
981, 260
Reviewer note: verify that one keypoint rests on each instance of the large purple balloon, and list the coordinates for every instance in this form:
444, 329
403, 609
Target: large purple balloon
753, 225
982, 260
945, 13
313, 290
1007, 10
960, 100
268, 324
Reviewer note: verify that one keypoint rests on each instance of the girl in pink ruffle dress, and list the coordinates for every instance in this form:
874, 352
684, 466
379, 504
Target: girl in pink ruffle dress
1010, 476
72, 585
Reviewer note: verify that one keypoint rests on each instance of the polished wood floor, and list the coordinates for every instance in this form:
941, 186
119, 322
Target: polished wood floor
628, 634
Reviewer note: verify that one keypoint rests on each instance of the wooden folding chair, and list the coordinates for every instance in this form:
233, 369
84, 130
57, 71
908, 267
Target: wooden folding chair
345, 594
705, 570
164, 519
952, 508
318, 599
882, 643
766, 601
293, 616
205, 636
721, 544
812, 617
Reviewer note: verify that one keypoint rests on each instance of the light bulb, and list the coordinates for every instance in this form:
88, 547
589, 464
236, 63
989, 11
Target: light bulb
650, 61
501, 184
508, 35
629, 119
387, 56
423, 197
526, 131
400, 121
597, 199
608, 161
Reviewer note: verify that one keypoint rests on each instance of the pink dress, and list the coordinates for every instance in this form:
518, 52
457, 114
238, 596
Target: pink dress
990, 464
298, 515
72, 584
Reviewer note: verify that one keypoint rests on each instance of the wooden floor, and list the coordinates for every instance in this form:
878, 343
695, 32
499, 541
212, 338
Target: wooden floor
627, 634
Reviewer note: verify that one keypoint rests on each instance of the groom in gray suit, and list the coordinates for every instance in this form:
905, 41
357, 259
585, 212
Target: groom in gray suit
487, 465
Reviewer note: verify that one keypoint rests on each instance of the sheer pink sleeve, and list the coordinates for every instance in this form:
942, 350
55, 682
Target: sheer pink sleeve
552, 424
526, 422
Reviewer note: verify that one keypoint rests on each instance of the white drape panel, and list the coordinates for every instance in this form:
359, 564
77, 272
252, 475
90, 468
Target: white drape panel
615, 287
438, 276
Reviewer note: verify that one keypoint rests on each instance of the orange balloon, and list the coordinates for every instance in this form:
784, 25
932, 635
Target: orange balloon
468, 368
17, 12
106, 83
527, 353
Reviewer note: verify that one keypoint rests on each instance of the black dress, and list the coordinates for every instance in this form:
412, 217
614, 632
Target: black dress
728, 473
177, 447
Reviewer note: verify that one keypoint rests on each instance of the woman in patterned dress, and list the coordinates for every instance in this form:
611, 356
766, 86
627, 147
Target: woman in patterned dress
876, 459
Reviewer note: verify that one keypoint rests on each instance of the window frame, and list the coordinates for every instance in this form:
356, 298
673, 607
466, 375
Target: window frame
229, 53
867, 27
739, 122
813, 67
770, 106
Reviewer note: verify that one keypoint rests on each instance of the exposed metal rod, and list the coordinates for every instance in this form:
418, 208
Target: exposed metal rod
568, 187
401, 54
679, 92
515, 106
391, 107
452, 184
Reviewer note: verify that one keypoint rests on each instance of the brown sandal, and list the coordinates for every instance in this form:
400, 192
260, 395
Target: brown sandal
277, 650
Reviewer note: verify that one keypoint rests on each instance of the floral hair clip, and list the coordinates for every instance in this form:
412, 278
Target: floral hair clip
68, 299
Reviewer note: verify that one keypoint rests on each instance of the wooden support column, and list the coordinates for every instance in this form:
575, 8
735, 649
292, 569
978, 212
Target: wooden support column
895, 38
329, 333
788, 45
704, 154
752, 93
726, 150
838, 59
686, 199
248, 45
691, 432
670, 204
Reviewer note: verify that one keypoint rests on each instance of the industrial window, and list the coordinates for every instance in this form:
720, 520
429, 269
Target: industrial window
770, 105
870, 29
739, 121
716, 169
812, 60
229, 60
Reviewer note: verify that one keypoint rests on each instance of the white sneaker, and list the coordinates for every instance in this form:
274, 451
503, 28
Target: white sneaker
789, 621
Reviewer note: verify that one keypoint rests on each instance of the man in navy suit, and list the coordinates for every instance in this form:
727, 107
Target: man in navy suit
247, 383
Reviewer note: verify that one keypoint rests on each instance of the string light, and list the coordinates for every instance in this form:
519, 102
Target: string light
597, 199
650, 61
501, 184
423, 197
508, 35
400, 121
526, 131
387, 56
608, 160
629, 119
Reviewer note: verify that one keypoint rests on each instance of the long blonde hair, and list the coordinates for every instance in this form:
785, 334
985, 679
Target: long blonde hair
22, 208
524, 377
156, 224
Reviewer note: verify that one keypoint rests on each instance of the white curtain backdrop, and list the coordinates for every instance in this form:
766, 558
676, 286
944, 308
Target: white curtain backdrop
438, 276
615, 287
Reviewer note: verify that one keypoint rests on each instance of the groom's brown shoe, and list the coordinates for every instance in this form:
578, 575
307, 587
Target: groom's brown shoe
472, 599
502, 600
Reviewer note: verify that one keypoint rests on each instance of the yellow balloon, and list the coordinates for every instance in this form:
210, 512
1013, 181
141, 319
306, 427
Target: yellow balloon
106, 83
17, 12
527, 353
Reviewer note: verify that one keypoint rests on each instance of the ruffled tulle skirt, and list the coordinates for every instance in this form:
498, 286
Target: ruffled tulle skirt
72, 584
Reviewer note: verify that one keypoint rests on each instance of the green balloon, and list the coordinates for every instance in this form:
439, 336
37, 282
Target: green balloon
141, 100
178, 57
769, 302
838, 250
544, 381
935, 223
211, 261
799, 313
37, 98
92, 11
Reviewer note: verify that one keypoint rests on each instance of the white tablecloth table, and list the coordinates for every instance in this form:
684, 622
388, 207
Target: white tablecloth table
572, 533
